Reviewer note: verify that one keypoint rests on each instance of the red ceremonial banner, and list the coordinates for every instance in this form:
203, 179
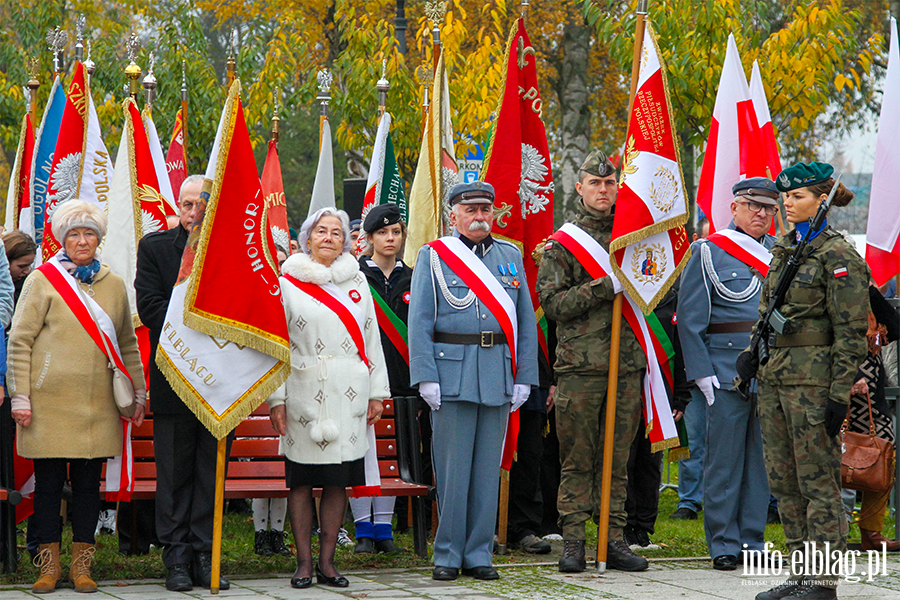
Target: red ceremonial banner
276, 205
176, 163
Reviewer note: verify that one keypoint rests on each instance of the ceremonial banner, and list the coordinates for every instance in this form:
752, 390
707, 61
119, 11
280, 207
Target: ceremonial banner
176, 162
18, 198
730, 143
384, 184
45, 144
81, 167
164, 189
763, 159
323, 187
517, 164
436, 172
210, 329
276, 206
883, 228
649, 243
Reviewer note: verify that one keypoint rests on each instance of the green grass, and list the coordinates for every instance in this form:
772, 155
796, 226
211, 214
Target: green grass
676, 538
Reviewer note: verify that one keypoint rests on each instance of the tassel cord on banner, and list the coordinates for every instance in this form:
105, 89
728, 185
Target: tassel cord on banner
611, 388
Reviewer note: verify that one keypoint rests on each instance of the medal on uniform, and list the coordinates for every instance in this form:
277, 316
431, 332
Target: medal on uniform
502, 270
514, 273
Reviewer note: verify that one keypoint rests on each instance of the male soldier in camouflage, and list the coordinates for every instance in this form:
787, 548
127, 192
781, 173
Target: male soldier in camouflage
582, 308
804, 388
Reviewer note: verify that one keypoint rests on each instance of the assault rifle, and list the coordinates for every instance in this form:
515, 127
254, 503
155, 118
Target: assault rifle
773, 320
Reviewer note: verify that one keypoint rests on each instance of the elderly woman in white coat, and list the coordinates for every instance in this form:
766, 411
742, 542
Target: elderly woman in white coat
337, 383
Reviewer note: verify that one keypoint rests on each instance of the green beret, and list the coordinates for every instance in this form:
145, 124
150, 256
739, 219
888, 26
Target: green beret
803, 175
598, 164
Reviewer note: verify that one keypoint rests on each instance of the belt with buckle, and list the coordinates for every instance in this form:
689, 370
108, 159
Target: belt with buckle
795, 340
485, 339
735, 327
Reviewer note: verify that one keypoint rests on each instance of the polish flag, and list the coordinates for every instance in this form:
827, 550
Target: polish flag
883, 228
729, 143
764, 160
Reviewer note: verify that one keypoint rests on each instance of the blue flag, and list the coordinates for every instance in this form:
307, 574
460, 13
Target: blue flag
44, 146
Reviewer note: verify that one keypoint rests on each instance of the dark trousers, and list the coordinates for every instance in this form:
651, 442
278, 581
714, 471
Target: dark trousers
185, 486
50, 476
644, 477
550, 468
526, 504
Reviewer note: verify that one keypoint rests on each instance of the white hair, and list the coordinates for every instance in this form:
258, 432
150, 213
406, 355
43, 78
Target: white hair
313, 220
78, 213
189, 180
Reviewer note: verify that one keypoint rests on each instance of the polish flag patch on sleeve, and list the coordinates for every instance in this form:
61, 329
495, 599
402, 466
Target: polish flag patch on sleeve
840, 272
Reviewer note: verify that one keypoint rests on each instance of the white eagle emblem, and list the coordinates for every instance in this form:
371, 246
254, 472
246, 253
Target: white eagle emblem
282, 238
149, 223
533, 195
63, 182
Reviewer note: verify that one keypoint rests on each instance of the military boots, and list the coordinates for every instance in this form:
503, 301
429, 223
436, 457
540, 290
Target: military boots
572, 560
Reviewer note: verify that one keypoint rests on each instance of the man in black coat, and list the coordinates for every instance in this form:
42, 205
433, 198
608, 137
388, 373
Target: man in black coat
185, 451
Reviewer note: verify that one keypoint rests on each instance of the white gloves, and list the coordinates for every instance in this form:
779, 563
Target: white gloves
706, 385
520, 395
431, 393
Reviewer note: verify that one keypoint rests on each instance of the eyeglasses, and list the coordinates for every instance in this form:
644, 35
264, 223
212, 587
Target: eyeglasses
756, 207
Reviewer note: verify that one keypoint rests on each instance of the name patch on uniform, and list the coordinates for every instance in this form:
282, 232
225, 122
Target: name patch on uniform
840, 272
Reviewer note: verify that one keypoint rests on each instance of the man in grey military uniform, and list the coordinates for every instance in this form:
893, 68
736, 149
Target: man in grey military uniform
470, 372
717, 308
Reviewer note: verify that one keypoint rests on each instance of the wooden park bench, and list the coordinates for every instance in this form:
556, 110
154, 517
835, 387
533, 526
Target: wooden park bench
256, 470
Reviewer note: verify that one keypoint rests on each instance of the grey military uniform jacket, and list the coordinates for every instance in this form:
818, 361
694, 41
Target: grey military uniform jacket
715, 288
440, 301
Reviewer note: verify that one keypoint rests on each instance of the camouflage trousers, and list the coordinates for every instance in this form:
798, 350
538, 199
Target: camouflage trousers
580, 423
804, 467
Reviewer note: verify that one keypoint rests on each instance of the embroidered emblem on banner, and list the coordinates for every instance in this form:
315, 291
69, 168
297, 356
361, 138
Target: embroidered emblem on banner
648, 263
664, 190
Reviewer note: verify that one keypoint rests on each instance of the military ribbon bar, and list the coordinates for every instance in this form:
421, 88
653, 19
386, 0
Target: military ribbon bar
331, 296
744, 248
482, 282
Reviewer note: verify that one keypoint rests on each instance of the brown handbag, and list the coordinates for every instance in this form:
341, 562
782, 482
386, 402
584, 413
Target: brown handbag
867, 461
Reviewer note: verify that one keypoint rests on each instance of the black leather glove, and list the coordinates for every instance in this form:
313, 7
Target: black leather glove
746, 366
835, 413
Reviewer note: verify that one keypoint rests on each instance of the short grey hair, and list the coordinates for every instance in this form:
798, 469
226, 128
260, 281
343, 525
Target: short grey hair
313, 220
78, 213
188, 181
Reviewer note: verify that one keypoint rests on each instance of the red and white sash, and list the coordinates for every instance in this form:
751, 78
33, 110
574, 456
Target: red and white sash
340, 303
482, 282
119, 469
744, 248
595, 260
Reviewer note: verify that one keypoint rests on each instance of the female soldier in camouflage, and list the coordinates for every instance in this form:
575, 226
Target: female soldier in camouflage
804, 388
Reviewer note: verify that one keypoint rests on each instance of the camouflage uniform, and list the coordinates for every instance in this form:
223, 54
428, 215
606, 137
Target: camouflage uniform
803, 462
582, 309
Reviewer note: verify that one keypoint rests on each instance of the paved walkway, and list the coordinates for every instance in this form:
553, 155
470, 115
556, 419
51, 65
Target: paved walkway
665, 580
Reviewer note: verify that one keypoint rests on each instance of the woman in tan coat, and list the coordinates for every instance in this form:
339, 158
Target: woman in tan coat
61, 385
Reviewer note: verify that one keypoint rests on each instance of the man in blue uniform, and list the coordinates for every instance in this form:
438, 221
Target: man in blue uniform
717, 308
472, 351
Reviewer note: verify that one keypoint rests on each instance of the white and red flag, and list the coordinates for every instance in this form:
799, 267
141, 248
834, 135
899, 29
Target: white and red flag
763, 159
323, 186
436, 171
883, 228
649, 243
208, 328
730, 142
164, 189
384, 183
81, 167
273, 192
176, 161
19, 214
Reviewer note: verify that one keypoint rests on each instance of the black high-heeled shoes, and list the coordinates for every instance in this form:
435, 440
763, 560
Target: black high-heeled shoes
301, 583
339, 582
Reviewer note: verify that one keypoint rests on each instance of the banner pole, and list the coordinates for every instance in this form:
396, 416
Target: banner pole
184, 116
221, 452
612, 384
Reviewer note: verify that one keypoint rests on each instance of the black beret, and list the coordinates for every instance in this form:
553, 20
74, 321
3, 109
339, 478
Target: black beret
381, 215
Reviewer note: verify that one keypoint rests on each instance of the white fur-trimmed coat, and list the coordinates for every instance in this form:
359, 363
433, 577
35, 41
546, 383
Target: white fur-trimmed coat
328, 391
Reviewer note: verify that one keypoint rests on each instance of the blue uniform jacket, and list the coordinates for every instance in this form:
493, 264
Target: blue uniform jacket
469, 372
701, 303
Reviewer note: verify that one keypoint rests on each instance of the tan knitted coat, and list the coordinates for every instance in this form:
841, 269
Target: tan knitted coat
54, 362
